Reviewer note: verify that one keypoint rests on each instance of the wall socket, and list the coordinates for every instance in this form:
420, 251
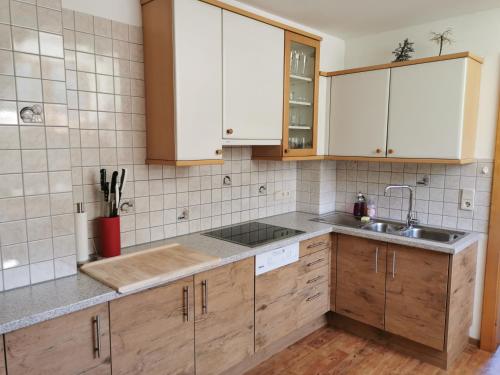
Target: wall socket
467, 200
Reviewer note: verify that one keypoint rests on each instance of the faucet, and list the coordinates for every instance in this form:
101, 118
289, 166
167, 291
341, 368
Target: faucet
410, 220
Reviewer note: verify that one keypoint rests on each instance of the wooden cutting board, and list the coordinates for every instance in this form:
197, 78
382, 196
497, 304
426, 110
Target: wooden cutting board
147, 268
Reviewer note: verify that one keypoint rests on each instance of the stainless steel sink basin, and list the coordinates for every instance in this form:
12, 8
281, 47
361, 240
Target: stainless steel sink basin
393, 227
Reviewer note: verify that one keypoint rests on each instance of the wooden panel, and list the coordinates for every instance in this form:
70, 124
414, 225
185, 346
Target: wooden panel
312, 303
426, 110
253, 100
63, 345
2, 357
462, 277
356, 132
150, 334
472, 89
333, 273
361, 266
225, 331
184, 163
159, 79
315, 244
405, 63
417, 294
275, 305
148, 268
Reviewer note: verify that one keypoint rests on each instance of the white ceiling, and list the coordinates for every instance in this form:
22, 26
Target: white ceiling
352, 18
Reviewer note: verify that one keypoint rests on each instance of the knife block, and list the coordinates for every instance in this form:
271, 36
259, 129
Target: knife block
109, 236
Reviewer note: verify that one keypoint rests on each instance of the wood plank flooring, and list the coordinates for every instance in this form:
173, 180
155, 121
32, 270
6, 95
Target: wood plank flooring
332, 351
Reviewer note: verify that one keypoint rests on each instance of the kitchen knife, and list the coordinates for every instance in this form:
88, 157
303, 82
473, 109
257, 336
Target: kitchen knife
123, 180
114, 178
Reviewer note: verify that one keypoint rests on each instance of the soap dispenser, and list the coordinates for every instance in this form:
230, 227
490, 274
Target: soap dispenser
360, 208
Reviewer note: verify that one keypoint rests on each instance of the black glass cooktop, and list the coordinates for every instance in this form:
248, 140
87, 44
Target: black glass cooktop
252, 234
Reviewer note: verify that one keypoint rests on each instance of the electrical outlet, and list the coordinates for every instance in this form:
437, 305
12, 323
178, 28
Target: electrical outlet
467, 200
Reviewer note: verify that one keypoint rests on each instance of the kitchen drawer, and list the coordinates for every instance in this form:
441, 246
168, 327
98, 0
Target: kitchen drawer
314, 277
314, 261
315, 244
312, 303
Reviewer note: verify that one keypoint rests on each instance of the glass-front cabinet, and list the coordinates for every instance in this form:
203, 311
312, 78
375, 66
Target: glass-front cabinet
300, 95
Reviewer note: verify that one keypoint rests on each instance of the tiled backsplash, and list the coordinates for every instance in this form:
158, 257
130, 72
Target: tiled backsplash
316, 186
436, 204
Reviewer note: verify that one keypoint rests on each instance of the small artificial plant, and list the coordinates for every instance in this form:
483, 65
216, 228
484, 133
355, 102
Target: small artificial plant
442, 39
404, 51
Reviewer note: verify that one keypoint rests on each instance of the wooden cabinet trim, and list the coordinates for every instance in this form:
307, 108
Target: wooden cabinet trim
2, 356
402, 160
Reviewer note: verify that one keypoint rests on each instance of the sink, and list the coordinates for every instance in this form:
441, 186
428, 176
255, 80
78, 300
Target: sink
432, 234
383, 227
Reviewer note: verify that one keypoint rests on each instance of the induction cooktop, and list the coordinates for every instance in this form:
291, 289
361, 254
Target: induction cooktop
253, 233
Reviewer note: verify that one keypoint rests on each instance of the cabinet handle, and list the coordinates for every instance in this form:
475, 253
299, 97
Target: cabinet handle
317, 244
229, 131
285, 151
393, 264
390, 151
97, 342
376, 260
378, 151
204, 302
315, 262
185, 311
312, 298
218, 152
313, 280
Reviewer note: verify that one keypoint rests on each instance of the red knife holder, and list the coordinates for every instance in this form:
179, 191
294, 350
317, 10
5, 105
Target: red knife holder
109, 236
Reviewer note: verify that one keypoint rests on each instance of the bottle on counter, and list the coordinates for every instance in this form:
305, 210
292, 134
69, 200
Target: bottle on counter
360, 208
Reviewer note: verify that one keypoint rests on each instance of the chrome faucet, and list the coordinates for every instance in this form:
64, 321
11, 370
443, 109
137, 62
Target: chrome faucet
410, 220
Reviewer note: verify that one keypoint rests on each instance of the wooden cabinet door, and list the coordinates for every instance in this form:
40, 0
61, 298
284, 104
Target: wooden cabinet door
417, 289
253, 60
2, 357
359, 107
426, 110
153, 332
198, 79
224, 316
77, 343
361, 265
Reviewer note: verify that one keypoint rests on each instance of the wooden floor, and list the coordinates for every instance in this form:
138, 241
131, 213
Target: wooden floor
332, 351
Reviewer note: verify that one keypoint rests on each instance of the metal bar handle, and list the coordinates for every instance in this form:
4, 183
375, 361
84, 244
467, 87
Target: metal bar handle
317, 244
204, 302
312, 298
97, 342
185, 310
376, 260
393, 264
315, 262
314, 279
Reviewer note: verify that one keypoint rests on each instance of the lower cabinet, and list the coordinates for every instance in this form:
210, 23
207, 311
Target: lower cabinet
361, 266
291, 296
153, 332
2, 357
77, 343
417, 293
224, 316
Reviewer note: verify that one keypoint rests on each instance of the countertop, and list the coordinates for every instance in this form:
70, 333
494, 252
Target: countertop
29, 305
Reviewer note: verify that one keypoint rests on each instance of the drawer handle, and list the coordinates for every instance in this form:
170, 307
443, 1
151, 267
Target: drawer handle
315, 262
97, 343
376, 260
312, 298
313, 280
393, 265
204, 302
229, 131
317, 244
185, 310
218, 152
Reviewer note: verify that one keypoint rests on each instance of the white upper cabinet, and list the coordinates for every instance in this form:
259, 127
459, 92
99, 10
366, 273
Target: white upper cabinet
253, 58
427, 110
198, 80
359, 105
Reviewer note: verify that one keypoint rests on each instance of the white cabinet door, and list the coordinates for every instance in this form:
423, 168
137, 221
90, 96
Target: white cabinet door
323, 115
358, 122
426, 110
253, 56
198, 79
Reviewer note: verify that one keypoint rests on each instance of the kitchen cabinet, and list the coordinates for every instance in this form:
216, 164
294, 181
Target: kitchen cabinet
359, 113
300, 102
289, 297
183, 77
153, 332
2, 358
361, 265
224, 316
324, 115
433, 110
417, 291
77, 343
422, 110
252, 70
